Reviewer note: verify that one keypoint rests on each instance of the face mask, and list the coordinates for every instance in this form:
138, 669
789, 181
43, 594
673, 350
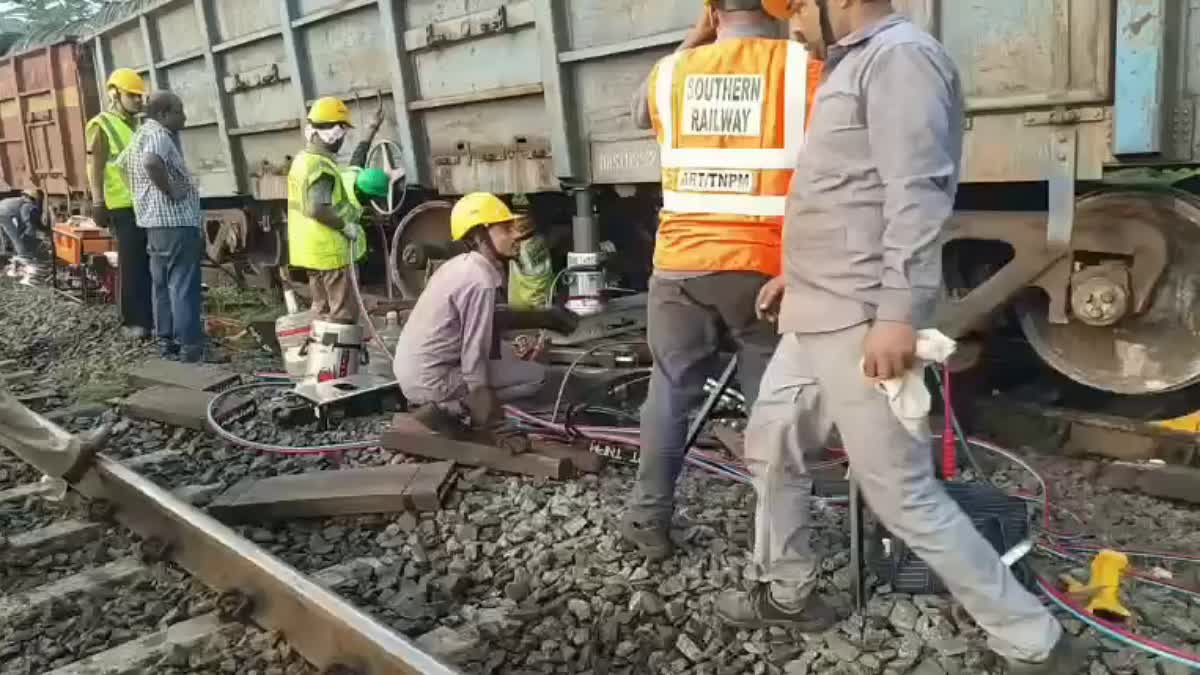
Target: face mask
331, 136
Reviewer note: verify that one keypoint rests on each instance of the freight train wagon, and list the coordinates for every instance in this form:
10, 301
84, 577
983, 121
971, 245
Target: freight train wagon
532, 97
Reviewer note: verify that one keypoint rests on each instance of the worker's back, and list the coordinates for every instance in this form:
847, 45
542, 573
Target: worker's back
11, 207
730, 123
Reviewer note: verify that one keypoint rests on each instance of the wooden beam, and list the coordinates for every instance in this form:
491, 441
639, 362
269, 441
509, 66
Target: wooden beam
398, 487
583, 460
202, 377
18, 375
1177, 483
170, 405
412, 438
40, 395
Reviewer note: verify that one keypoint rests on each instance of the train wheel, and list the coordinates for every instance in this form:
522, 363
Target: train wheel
1106, 345
428, 223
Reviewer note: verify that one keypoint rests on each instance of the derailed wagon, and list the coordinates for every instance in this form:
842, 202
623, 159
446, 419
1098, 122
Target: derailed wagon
531, 97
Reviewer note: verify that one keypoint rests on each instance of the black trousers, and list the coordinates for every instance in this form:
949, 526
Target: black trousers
134, 265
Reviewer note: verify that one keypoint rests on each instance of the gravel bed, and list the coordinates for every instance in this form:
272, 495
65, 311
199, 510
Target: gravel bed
22, 569
32, 512
66, 632
15, 473
237, 650
74, 348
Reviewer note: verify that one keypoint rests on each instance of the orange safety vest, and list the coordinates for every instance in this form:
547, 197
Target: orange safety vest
737, 112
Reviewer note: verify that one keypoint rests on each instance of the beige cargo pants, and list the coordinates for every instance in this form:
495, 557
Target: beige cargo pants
37, 440
815, 383
511, 379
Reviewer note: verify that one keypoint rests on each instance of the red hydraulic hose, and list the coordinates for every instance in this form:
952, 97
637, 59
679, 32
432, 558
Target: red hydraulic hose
1117, 631
949, 441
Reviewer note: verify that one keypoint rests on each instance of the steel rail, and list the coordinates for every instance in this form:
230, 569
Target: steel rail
329, 632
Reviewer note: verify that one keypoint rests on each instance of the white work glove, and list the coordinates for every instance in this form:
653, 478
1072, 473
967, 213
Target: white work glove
350, 232
909, 398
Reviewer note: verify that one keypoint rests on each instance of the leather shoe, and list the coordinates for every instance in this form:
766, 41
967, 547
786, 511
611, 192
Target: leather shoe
90, 442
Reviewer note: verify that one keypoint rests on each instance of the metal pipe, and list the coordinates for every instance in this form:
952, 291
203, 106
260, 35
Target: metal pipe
586, 235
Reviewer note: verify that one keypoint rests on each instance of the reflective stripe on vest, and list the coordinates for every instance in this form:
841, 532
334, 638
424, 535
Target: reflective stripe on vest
746, 160
118, 134
312, 245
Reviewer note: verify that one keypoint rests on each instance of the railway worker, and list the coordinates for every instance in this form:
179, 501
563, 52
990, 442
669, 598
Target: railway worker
729, 109
107, 136
20, 218
324, 235
448, 358
873, 188
167, 203
52, 449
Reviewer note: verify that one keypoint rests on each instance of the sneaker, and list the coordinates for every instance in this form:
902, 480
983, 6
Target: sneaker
168, 349
652, 539
1069, 656
11, 270
134, 332
90, 442
757, 609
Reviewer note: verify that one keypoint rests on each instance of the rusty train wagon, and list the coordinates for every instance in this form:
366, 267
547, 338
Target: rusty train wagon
1080, 136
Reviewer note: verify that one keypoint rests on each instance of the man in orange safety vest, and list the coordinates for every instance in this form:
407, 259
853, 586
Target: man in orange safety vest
729, 110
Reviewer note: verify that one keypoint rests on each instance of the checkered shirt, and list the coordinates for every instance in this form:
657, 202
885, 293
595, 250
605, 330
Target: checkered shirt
152, 206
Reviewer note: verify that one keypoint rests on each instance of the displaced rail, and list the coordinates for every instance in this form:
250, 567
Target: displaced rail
329, 632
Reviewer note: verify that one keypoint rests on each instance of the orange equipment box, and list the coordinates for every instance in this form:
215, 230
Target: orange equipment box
72, 243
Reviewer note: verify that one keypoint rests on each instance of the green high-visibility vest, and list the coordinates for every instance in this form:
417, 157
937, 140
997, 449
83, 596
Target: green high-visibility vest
312, 245
530, 275
118, 133
355, 210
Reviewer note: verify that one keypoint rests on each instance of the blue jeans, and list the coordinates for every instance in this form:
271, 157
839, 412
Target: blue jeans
22, 237
689, 320
175, 254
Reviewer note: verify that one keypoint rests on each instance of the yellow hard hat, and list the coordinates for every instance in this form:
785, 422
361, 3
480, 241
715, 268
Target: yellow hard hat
329, 110
477, 208
127, 81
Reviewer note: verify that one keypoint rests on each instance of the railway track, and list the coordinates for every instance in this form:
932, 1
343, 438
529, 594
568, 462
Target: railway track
200, 589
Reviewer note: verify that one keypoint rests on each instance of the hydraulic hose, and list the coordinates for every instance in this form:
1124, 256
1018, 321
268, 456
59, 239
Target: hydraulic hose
231, 437
1116, 631
362, 311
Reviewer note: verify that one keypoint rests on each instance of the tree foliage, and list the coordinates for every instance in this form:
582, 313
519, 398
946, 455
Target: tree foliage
42, 15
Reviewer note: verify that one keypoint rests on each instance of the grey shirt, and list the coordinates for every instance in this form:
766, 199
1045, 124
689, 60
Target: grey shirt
20, 212
875, 183
446, 343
